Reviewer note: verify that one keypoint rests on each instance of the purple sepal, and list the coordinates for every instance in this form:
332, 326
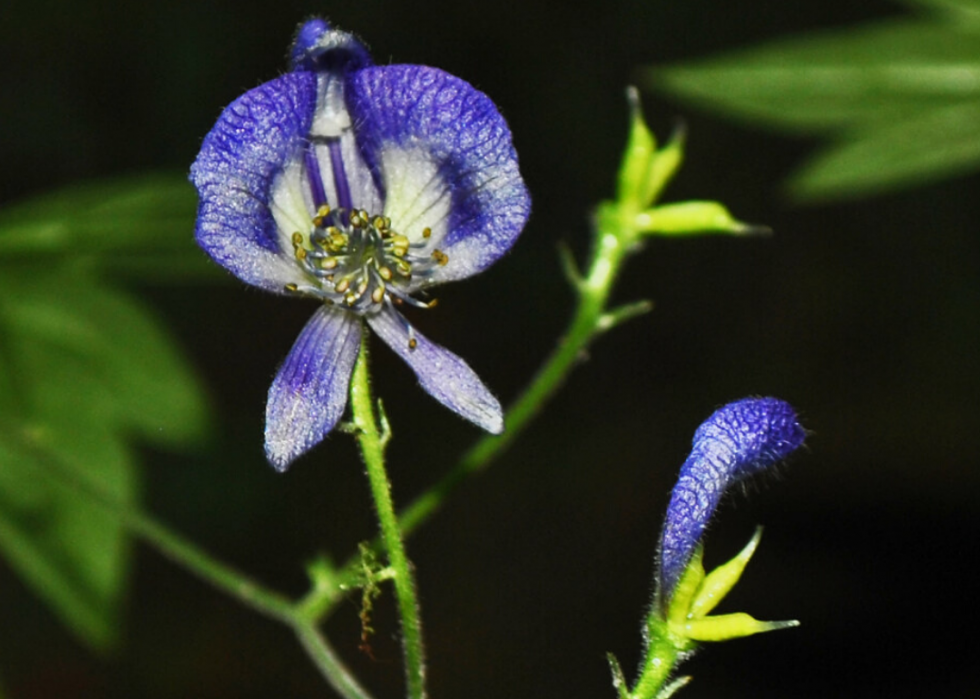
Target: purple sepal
254, 138
445, 377
459, 130
309, 394
317, 47
738, 440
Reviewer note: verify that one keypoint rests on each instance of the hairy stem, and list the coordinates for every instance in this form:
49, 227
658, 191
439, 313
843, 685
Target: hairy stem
589, 321
371, 442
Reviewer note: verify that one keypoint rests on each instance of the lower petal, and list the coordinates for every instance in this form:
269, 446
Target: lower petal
309, 394
446, 377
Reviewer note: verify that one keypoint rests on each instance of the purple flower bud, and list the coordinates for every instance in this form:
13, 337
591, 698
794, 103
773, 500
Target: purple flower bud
737, 441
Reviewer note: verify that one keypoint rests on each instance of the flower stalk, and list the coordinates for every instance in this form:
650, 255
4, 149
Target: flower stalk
372, 440
619, 229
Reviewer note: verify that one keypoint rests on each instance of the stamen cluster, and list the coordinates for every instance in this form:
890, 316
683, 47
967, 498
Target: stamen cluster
359, 261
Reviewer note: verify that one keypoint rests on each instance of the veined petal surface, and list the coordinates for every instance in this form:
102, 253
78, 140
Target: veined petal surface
446, 162
446, 377
253, 140
740, 439
309, 394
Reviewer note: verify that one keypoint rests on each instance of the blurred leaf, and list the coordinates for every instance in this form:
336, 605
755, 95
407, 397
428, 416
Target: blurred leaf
73, 553
142, 225
81, 366
108, 351
871, 87
839, 79
963, 11
907, 152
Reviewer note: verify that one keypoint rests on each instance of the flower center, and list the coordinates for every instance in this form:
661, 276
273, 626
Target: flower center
358, 260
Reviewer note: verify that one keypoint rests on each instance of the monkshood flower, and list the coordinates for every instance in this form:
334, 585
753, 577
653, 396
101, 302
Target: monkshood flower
360, 187
741, 439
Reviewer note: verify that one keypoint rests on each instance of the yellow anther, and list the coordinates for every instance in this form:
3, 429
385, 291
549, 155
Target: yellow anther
321, 216
291, 288
426, 232
351, 298
328, 263
359, 218
404, 268
440, 257
337, 241
300, 253
399, 245
385, 273
432, 304
342, 286
380, 223
412, 343
378, 294
297, 238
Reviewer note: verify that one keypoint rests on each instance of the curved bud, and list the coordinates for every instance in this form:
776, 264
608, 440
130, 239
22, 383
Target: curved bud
737, 441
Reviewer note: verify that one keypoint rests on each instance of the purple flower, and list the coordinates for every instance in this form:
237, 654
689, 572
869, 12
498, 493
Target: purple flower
737, 441
360, 187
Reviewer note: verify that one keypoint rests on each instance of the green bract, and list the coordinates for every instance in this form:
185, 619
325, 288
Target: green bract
674, 634
644, 172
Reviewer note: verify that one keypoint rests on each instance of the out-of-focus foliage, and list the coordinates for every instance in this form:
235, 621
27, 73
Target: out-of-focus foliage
84, 367
900, 99
140, 226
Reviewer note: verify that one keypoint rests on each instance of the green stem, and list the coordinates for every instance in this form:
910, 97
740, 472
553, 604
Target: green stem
662, 656
610, 249
370, 439
263, 600
325, 658
587, 324
224, 578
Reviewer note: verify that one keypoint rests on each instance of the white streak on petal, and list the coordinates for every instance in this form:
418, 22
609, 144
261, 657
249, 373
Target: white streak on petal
416, 195
364, 193
291, 204
309, 394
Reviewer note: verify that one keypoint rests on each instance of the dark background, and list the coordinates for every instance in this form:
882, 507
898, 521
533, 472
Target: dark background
862, 315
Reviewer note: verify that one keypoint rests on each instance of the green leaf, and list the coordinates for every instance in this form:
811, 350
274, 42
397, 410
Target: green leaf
908, 152
873, 88
81, 367
81, 342
966, 13
877, 73
142, 225
73, 553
